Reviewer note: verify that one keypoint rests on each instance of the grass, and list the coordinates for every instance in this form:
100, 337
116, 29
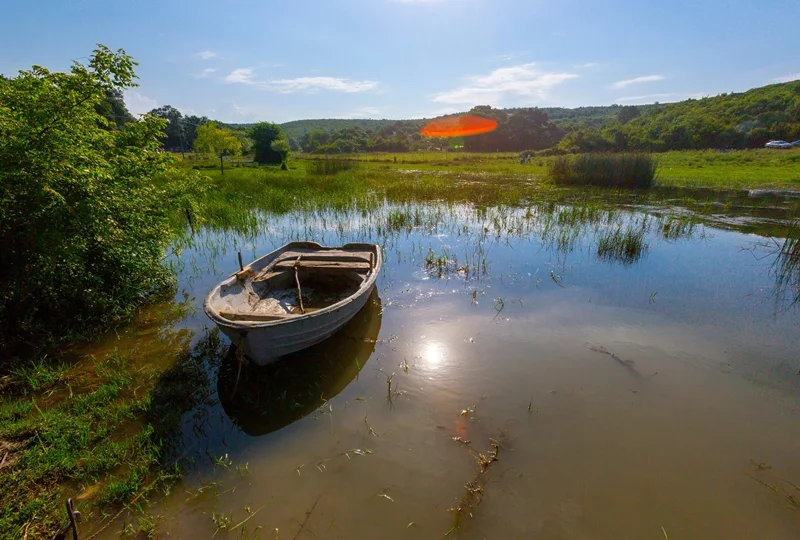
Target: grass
329, 166
606, 170
787, 264
104, 437
625, 246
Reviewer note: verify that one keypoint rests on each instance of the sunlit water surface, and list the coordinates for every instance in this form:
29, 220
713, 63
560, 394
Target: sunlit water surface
642, 391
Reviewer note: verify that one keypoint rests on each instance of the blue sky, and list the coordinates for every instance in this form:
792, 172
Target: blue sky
248, 60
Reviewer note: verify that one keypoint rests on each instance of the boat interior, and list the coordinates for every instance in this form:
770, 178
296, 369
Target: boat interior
296, 282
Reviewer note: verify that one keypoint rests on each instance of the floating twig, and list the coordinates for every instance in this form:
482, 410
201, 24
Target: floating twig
308, 515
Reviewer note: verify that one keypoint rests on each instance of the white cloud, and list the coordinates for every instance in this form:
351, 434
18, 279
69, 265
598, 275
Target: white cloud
321, 83
207, 55
642, 99
138, 103
637, 80
240, 75
206, 73
521, 81
287, 86
587, 65
786, 78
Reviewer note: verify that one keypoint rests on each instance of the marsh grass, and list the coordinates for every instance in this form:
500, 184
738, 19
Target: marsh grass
605, 170
329, 166
787, 264
625, 246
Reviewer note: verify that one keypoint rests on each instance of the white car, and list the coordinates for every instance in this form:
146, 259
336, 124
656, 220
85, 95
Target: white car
781, 145
796, 143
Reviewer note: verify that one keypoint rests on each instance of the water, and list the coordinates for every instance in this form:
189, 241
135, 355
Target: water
644, 389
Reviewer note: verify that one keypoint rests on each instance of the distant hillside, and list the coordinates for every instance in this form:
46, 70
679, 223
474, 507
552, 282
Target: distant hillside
561, 116
736, 120
589, 116
297, 128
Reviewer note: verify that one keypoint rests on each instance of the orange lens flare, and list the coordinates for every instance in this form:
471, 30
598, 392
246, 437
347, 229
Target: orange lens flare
459, 126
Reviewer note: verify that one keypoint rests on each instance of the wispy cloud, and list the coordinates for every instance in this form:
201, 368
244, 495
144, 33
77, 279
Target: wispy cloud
207, 55
138, 103
363, 112
587, 65
321, 83
637, 80
642, 99
310, 84
523, 81
241, 75
420, 1
206, 73
786, 78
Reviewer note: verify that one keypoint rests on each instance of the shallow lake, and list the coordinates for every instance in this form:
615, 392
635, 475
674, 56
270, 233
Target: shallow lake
581, 369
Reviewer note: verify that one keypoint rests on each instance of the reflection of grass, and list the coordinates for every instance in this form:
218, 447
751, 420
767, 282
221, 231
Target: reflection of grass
625, 246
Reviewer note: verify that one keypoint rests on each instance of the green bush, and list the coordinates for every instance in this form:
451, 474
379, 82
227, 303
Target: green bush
609, 170
83, 225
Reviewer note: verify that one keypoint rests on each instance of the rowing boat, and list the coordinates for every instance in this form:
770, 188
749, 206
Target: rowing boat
293, 297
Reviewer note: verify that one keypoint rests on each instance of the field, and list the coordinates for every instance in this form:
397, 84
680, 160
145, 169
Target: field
745, 169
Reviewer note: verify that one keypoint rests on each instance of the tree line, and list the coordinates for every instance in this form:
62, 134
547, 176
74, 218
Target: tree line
737, 120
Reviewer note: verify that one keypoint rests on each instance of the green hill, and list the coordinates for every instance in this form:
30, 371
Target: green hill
736, 120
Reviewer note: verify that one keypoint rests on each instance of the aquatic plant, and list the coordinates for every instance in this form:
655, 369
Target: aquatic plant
609, 170
329, 166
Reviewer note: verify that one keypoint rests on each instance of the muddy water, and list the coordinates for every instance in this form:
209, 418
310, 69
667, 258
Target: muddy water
647, 388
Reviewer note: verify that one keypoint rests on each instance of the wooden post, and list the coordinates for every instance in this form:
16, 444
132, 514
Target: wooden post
241, 265
371, 261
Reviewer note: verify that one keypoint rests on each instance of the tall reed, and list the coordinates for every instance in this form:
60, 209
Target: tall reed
608, 170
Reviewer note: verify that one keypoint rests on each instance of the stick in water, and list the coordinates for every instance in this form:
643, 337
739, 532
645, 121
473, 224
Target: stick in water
297, 280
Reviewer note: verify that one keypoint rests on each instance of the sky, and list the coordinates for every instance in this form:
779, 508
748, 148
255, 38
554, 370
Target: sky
281, 60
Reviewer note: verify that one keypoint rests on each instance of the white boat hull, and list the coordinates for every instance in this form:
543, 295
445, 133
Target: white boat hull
263, 342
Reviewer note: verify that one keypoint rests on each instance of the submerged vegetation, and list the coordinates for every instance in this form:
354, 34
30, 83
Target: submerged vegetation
610, 170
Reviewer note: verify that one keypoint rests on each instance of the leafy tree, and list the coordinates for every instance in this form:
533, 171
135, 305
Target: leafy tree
113, 109
83, 225
262, 135
174, 138
281, 146
627, 113
218, 141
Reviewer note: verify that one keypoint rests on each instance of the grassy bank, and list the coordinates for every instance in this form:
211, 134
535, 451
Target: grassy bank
100, 431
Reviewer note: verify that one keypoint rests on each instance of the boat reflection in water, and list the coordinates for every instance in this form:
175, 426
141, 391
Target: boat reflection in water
266, 399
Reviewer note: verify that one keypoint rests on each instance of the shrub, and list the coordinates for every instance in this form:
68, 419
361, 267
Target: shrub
610, 170
83, 226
